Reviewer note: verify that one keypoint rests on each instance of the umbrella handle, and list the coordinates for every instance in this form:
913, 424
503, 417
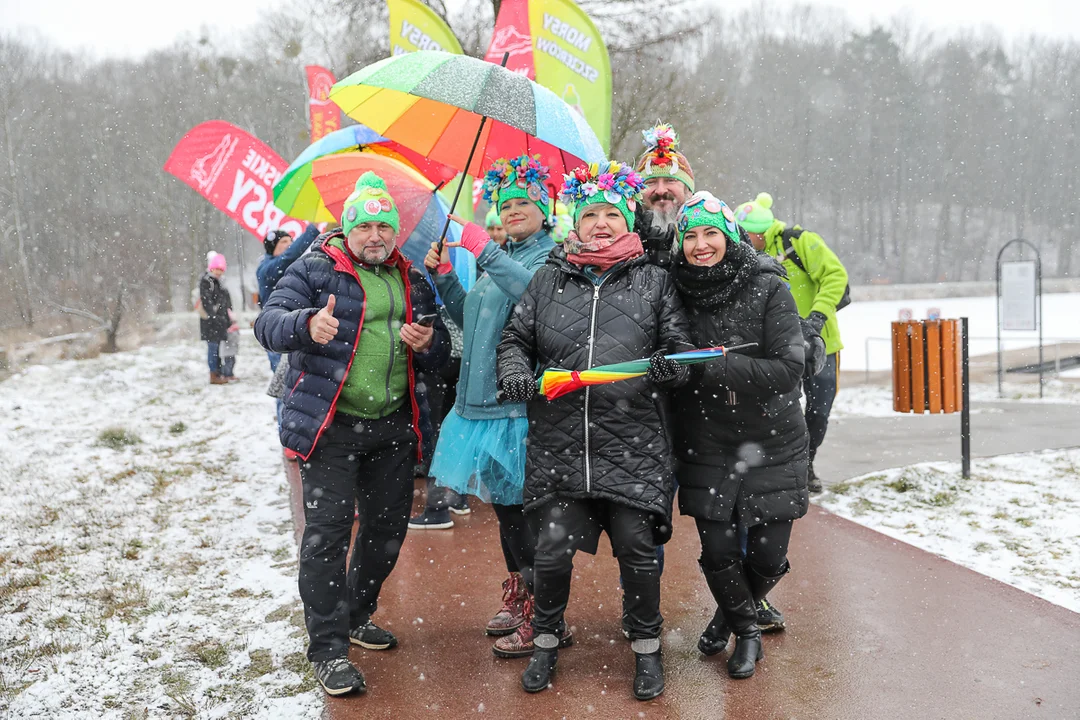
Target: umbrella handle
465, 172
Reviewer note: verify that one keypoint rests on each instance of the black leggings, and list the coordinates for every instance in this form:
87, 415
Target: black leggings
518, 540
766, 545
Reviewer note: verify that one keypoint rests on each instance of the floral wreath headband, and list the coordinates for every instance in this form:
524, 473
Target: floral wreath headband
703, 202
525, 173
613, 182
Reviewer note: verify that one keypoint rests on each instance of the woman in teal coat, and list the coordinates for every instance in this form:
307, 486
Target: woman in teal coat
481, 446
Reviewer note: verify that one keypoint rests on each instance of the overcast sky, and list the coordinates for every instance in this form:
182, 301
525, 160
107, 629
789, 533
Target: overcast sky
130, 28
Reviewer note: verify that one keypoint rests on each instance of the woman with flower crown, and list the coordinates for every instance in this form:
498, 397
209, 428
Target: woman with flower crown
481, 446
598, 459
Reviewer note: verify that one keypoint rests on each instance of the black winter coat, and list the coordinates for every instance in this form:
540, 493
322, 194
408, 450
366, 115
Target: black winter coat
750, 455
317, 372
609, 441
217, 303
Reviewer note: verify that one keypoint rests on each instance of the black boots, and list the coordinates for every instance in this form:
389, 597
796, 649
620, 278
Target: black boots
732, 592
649, 669
537, 675
716, 635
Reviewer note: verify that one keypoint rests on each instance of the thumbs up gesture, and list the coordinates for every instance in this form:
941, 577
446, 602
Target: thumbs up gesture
323, 325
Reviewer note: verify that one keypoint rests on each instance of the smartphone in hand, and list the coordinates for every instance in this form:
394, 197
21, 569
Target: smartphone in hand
426, 320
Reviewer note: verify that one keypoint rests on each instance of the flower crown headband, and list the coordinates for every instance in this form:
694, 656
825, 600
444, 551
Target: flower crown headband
524, 172
614, 181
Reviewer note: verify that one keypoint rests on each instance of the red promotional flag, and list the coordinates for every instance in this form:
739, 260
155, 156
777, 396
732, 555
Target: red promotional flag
325, 115
512, 35
236, 172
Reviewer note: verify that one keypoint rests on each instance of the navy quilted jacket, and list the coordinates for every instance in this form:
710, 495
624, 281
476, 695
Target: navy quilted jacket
317, 372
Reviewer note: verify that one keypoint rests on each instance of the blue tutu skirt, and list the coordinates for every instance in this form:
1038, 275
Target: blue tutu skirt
485, 458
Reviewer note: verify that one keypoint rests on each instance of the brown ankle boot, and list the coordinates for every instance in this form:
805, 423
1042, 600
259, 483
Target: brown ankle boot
218, 379
511, 615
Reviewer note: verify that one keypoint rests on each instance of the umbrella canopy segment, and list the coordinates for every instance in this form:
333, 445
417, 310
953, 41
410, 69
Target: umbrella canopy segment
433, 102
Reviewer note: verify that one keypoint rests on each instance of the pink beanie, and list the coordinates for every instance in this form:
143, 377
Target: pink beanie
217, 262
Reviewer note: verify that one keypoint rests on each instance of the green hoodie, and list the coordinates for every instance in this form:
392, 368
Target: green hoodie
821, 286
378, 381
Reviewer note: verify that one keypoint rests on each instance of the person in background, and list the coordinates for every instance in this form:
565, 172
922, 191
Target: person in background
281, 252
216, 304
599, 460
495, 229
818, 280
481, 448
741, 439
669, 182
347, 313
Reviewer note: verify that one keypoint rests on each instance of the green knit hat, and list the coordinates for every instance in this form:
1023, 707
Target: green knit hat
662, 158
706, 209
522, 177
493, 219
610, 183
755, 216
369, 202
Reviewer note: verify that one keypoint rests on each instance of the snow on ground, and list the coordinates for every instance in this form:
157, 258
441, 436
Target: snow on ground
877, 400
147, 563
1017, 519
861, 321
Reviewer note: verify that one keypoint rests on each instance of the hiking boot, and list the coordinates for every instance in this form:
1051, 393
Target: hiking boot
716, 636
769, 617
339, 677
372, 637
648, 669
511, 615
459, 505
218, 379
813, 482
431, 520
520, 644
538, 674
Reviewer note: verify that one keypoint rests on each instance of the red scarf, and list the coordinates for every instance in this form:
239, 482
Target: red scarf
625, 247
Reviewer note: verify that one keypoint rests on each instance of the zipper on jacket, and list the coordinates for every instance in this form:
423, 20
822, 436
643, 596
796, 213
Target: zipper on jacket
393, 343
588, 366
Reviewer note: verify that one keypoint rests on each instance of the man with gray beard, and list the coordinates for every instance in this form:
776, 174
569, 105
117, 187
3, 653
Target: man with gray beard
669, 182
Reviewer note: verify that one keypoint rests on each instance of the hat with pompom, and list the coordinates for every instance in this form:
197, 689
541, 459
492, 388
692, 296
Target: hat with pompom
706, 209
369, 202
215, 261
756, 216
662, 158
522, 177
492, 219
612, 183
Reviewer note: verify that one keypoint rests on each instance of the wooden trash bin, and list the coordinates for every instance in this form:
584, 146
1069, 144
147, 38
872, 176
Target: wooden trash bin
927, 372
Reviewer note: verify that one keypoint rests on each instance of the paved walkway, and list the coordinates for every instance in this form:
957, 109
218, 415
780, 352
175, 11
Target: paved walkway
877, 628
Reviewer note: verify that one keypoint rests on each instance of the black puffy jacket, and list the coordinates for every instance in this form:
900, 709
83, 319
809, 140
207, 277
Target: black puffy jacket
750, 454
609, 441
217, 303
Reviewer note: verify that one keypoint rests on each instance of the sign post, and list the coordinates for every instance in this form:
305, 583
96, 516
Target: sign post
1019, 301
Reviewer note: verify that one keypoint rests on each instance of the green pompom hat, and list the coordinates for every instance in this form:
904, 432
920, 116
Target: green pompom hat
369, 202
756, 216
704, 208
493, 219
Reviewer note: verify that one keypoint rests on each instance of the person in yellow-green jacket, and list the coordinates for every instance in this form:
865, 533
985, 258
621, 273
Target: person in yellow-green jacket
818, 282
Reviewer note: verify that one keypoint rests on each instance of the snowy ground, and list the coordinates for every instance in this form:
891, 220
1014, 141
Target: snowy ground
866, 326
1017, 519
877, 400
147, 564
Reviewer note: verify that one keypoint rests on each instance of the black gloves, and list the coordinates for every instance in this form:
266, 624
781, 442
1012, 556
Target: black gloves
813, 346
516, 388
817, 320
663, 371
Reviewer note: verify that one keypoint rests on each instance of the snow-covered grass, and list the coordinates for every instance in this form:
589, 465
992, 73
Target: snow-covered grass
147, 563
877, 400
1017, 519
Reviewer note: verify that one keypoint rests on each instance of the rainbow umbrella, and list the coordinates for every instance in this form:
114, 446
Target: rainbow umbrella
555, 383
434, 103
